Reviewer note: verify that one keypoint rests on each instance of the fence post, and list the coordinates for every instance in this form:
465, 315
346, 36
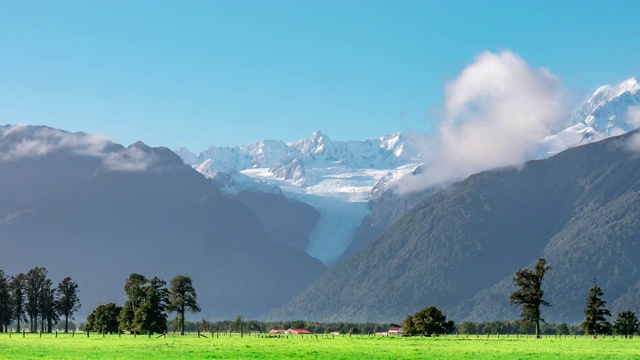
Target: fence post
23, 333
56, 333
87, 333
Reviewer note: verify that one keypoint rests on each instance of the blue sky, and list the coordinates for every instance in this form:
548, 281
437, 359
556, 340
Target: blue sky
195, 73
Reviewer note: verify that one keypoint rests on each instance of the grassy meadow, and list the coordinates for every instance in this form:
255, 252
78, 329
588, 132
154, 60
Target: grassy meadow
32, 346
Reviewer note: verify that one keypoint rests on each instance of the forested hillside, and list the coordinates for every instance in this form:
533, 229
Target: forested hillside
459, 248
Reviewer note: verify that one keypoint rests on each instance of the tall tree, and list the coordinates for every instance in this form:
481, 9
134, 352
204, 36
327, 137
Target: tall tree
67, 300
529, 295
153, 311
48, 306
182, 297
595, 322
5, 302
626, 324
36, 281
17, 286
133, 288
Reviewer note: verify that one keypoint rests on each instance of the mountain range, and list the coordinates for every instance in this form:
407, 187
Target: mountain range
257, 225
351, 184
84, 207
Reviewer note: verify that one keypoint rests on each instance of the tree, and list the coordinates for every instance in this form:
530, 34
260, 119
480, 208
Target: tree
154, 317
595, 322
35, 284
144, 311
5, 302
104, 319
429, 320
67, 300
626, 324
48, 306
529, 295
133, 288
17, 288
182, 297
468, 327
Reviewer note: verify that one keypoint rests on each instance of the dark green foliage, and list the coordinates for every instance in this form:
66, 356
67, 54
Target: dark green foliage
5, 302
104, 319
35, 288
67, 300
48, 307
145, 310
529, 295
17, 287
182, 298
154, 316
428, 321
595, 322
133, 288
626, 324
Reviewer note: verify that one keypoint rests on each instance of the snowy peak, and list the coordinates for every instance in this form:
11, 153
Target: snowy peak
606, 111
611, 110
292, 171
287, 161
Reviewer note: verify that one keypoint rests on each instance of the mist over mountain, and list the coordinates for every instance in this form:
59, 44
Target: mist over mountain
459, 248
84, 207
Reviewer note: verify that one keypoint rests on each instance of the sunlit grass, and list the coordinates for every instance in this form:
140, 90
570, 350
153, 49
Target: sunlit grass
32, 346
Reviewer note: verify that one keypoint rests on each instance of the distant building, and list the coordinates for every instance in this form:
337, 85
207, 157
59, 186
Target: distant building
395, 331
334, 333
298, 331
276, 331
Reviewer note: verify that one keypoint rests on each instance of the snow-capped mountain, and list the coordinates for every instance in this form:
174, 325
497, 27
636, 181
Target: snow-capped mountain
335, 177
338, 178
611, 110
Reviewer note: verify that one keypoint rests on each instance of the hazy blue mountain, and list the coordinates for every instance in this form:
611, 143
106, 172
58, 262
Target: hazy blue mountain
459, 248
96, 211
286, 221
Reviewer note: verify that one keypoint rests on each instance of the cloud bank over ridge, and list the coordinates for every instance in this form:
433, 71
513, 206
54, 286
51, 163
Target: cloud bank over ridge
494, 114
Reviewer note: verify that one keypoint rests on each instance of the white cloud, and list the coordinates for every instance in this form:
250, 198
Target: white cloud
633, 116
633, 144
495, 113
17, 142
27, 141
130, 159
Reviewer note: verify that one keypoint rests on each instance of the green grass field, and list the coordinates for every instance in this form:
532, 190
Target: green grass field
308, 347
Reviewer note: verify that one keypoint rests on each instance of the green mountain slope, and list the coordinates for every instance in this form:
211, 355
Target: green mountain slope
459, 248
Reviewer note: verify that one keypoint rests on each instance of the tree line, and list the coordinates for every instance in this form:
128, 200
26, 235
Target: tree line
31, 298
529, 296
146, 309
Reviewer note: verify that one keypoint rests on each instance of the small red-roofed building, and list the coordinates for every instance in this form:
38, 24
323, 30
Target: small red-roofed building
395, 331
277, 331
298, 331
